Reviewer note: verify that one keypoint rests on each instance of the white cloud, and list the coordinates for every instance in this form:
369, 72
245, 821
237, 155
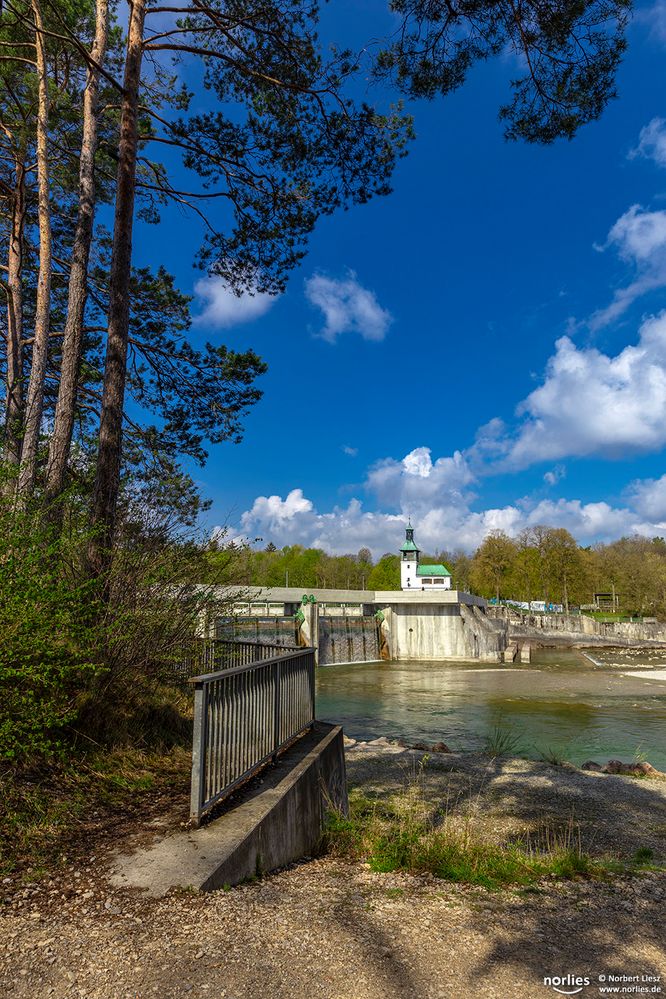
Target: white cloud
276, 513
648, 497
652, 142
415, 483
639, 236
553, 475
655, 18
223, 308
347, 307
593, 403
447, 520
351, 451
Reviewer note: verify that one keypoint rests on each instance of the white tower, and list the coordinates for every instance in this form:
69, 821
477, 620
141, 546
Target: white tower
409, 562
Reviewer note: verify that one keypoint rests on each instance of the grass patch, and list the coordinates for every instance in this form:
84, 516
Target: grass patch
403, 833
503, 741
555, 757
54, 812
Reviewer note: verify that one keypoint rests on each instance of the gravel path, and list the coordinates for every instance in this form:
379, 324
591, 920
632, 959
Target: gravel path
331, 930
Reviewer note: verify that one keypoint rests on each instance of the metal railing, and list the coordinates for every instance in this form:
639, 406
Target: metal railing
210, 655
244, 716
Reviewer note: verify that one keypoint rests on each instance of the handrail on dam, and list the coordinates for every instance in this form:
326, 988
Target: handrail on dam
245, 715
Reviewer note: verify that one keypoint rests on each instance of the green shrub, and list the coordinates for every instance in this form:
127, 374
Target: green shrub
93, 658
47, 637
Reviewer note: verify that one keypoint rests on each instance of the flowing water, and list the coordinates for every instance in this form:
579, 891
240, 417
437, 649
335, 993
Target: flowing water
611, 705
347, 639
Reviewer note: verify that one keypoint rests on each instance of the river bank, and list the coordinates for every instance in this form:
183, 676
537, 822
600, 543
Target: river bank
330, 929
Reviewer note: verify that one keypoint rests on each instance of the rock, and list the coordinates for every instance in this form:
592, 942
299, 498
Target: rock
631, 769
648, 769
591, 765
421, 746
440, 747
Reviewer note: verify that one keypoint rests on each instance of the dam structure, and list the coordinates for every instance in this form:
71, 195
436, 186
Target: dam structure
346, 626
425, 621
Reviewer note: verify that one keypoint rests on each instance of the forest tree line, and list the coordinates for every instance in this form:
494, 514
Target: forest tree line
541, 563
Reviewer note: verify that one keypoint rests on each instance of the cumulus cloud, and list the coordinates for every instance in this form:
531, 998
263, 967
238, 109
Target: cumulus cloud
222, 307
648, 498
347, 307
416, 482
639, 237
593, 403
652, 142
351, 451
276, 513
448, 520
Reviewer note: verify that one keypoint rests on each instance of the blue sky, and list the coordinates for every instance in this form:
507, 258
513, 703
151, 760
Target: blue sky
483, 349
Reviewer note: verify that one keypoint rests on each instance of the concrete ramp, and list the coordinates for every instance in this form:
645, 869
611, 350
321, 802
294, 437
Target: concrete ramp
274, 823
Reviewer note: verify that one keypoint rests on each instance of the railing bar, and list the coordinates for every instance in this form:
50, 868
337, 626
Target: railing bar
227, 735
219, 735
234, 726
212, 762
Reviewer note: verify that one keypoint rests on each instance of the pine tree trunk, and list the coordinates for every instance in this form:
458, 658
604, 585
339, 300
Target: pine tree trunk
35, 396
61, 437
14, 398
107, 478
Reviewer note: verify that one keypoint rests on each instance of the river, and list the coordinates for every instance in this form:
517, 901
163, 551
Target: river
562, 704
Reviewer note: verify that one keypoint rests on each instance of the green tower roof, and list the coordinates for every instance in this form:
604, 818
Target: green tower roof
409, 545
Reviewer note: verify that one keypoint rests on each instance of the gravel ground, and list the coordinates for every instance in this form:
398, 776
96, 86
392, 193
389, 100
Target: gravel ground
613, 814
331, 930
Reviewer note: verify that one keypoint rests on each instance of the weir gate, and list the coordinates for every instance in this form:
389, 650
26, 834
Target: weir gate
355, 626
344, 633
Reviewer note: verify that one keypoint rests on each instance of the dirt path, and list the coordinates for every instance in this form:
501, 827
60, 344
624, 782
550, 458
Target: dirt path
331, 930
334, 931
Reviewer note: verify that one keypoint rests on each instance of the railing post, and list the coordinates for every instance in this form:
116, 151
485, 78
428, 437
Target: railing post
197, 794
311, 673
276, 713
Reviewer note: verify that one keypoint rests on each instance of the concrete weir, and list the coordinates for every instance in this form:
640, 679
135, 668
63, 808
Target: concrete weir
413, 625
275, 822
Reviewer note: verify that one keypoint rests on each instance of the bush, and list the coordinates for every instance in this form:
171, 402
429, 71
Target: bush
93, 657
48, 650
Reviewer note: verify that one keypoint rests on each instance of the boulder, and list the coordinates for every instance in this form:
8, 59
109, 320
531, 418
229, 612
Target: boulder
591, 765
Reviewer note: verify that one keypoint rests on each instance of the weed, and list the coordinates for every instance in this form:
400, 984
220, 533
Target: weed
401, 833
48, 809
553, 756
502, 740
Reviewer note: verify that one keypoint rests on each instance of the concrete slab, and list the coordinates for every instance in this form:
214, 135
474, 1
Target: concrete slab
274, 823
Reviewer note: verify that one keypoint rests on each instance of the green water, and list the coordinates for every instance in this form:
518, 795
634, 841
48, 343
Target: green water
561, 702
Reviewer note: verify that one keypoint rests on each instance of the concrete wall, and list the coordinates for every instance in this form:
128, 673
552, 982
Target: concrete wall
578, 629
435, 632
290, 824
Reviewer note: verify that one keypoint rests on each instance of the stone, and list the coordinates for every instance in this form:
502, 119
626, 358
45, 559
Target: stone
639, 769
440, 747
591, 765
